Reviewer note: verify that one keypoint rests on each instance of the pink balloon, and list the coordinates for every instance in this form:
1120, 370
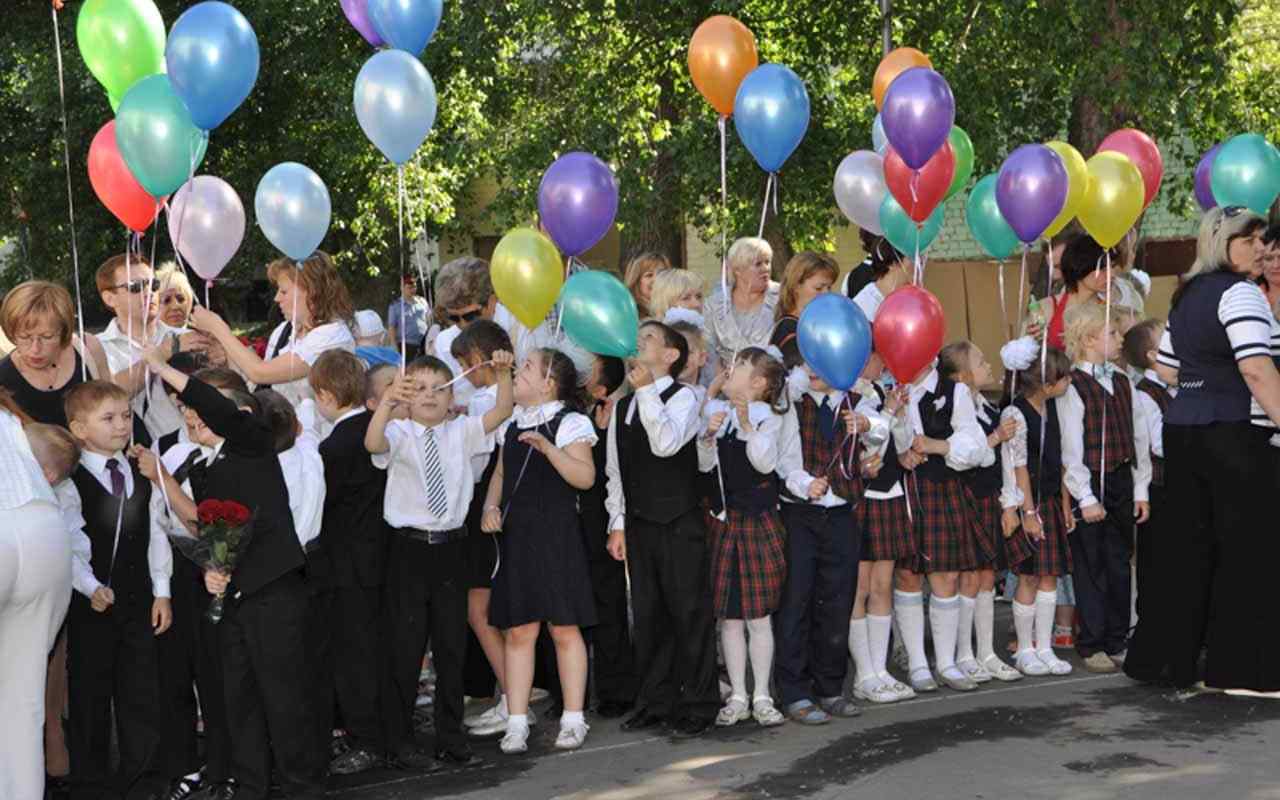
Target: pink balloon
206, 224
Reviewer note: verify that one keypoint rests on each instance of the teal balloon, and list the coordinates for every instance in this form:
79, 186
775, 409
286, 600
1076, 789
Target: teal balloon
901, 230
1246, 172
986, 223
156, 137
599, 314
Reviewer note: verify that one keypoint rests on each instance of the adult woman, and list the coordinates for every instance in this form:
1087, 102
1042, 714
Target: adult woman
890, 270
639, 276
746, 317
318, 313
807, 275
1084, 280
175, 297
1270, 265
1212, 572
676, 288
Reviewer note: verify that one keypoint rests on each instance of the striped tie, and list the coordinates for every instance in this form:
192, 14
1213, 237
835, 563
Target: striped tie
437, 499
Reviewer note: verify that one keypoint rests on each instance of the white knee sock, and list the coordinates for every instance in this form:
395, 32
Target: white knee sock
1024, 618
761, 649
878, 636
1046, 605
984, 625
964, 634
908, 610
733, 638
860, 648
944, 621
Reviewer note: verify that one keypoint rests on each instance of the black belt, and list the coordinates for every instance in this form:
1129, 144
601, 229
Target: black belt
432, 537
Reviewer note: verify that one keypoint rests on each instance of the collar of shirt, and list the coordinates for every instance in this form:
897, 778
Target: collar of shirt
1101, 373
532, 416
757, 412
355, 412
925, 385
832, 397
1154, 377
96, 463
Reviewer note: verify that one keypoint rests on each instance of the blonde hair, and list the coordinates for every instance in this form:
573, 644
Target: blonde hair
747, 249
327, 297
85, 398
669, 285
1079, 323
27, 302
171, 277
637, 268
801, 268
54, 448
1217, 230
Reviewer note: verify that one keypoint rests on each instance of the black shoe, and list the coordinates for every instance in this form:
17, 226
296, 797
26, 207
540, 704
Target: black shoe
353, 762
57, 788
338, 745
612, 709
222, 791
690, 728
458, 758
178, 789
413, 759
642, 720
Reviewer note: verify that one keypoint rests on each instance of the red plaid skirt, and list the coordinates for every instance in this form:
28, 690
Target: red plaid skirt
748, 564
987, 514
946, 535
886, 529
1053, 555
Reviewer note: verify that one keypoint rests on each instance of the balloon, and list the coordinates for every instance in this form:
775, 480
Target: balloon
987, 225
835, 339
115, 185
526, 274
357, 12
918, 113
879, 142
962, 146
908, 331
156, 136
1246, 172
206, 224
1145, 155
122, 42
577, 201
903, 232
921, 191
1031, 190
860, 188
1114, 201
406, 24
893, 65
293, 209
1204, 177
771, 114
395, 102
212, 58
1077, 186
721, 53
599, 313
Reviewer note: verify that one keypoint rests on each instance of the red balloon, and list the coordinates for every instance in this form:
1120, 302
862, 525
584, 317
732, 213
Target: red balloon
931, 182
1141, 149
115, 185
908, 331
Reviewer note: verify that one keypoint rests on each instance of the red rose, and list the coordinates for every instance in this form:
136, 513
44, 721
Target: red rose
235, 514
209, 511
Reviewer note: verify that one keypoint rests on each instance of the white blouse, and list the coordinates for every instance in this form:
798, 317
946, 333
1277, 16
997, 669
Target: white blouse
574, 427
21, 479
318, 340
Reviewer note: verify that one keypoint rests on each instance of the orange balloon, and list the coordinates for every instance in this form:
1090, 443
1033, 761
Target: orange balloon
721, 53
891, 66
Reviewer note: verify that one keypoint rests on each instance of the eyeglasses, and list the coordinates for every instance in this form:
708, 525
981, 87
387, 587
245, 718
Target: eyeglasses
464, 317
27, 340
139, 286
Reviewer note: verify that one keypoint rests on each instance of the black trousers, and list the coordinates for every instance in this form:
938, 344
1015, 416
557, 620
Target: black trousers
674, 627
811, 625
1100, 553
270, 710
321, 653
111, 662
425, 599
613, 661
356, 618
1148, 551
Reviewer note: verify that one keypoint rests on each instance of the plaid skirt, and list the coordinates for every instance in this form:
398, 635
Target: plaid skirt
748, 564
987, 518
1052, 556
886, 529
947, 537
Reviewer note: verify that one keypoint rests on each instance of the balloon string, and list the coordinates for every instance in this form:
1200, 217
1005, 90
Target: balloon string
463, 374
428, 290
1044, 375
764, 211
1106, 344
1004, 310
400, 235
190, 187
71, 205
207, 286
724, 211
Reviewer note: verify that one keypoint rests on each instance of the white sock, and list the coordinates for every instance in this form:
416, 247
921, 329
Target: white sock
761, 650
944, 621
733, 639
860, 649
964, 629
502, 705
569, 719
878, 636
984, 625
908, 610
517, 722
1046, 605
1024, 617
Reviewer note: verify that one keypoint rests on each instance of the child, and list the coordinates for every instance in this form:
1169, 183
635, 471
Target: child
376, 382
1036, 507
55, 450
689, 324
1106, 455
121, 568
429, 486
965, 363
372, 344
748, 555
656, 525
543, 577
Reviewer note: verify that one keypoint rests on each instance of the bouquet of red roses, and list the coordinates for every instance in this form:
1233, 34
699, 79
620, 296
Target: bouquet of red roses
225, 528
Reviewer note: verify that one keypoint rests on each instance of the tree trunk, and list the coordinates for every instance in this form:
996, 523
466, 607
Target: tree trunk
662, 231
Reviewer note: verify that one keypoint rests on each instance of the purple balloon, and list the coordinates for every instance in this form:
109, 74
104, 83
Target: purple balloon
1031, 190
918, 113
577, 201
1204, 172
357, 12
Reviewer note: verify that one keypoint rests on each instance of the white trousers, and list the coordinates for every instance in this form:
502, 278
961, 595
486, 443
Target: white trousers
35, 589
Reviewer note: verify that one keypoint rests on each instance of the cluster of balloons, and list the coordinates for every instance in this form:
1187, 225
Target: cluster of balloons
1242, 171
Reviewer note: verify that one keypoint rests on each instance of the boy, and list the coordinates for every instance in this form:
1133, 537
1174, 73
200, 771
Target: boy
376, 382
121, 567
657, 526
1106, 456
430, 482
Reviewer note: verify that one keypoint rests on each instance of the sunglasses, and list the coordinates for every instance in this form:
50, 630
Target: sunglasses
139, 286
466, 316
1228, 213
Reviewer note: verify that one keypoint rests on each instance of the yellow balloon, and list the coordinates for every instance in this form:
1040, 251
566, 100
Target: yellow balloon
1114, 200
526, 274
1077, 186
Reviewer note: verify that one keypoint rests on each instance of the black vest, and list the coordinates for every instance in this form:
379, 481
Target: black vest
1048, 482
986, 481
656, 489
858, 279
129, 574
1210, 387
538, 488
935, 418
745, 487
891, 471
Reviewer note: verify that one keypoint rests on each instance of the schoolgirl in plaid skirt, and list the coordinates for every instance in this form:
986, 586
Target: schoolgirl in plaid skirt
748, 550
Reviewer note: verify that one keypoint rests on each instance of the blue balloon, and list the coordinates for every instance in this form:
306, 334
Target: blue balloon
293, 209
879, 140
771, 114
395, 102
212, 60
835, 339
406, 24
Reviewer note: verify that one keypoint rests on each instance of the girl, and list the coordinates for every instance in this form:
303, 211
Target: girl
542, 573
748, 555
1036, 508
964, 362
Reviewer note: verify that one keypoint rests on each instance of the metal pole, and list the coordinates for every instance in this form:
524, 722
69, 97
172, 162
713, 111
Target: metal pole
886, 14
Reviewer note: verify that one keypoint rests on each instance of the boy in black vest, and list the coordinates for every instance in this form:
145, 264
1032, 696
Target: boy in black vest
1154, 395
657, 527
121, 568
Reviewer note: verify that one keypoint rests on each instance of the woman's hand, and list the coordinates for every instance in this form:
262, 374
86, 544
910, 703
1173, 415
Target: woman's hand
491, 520
202, 319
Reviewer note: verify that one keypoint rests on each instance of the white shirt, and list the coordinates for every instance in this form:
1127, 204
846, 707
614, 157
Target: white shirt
317, 341
762, 443
869, 299
968, 444
1154, 416
1013, 454
669, 425
791, 453
152, 403
303, 471
21, 479
522, 342
457, 440
484, 400
1076, 475
899, 428
574, 427
161, 507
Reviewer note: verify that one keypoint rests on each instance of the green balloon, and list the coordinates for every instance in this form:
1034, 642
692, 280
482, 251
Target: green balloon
962, 146
986, 223
156, 137
1246, 172
122, 42
902, 231
599, 314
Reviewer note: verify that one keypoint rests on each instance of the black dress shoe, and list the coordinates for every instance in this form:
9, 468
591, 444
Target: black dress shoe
612, 709
642, 720
178, 789
222, 791
353, 762
414, 759
458, 758
690, 728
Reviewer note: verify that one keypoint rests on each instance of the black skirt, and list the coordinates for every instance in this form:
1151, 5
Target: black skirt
542, 571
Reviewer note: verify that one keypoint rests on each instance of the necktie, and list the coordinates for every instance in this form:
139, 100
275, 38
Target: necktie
117, 477
827, 418
437, 499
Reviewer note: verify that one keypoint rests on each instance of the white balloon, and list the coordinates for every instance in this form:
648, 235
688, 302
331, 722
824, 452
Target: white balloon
860, 188
206, 224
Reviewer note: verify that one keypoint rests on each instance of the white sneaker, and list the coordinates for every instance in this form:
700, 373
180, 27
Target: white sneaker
1030, 664
487, 717
1056, 665
516, 741
903, 691
873, 690
1000, 670
734, 711
572, 736
766, 714
975, 671
498, 725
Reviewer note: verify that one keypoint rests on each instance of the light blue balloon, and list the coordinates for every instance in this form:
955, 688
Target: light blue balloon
599, 314
293, 209
902, 231
987, 225
156, 137
771, 114
1246, 172
835, 339
212, 59
879, 139
406, 24
395, 102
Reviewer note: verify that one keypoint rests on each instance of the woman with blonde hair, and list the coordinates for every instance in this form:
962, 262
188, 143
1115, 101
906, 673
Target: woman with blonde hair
807, 275
639, 276
676, 288
175, 296
746, 317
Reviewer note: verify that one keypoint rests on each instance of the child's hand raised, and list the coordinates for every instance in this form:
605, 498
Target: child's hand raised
717, 420
639, 376
401, 392
503, 361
